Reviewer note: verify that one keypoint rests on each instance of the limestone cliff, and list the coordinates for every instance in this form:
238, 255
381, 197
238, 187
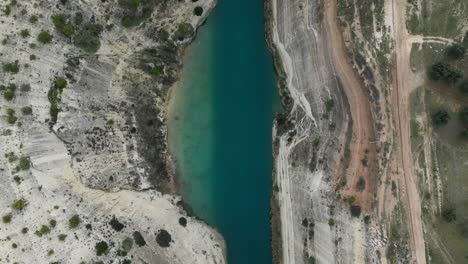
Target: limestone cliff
85, 172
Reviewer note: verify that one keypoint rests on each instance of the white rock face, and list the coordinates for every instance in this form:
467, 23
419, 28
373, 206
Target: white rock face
314, 225
89, 163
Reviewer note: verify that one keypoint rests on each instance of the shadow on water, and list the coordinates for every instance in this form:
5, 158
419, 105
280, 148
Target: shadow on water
245, 99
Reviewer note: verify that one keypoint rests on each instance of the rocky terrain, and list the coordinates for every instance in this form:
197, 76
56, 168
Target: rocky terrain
372, 176
86, 177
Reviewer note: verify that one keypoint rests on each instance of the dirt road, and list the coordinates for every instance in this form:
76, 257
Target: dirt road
404, 81
363, 132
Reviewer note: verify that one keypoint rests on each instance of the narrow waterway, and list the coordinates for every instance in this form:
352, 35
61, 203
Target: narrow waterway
220, 123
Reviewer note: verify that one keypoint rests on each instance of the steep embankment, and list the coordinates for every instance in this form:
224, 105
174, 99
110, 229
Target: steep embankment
83, 136
310, 220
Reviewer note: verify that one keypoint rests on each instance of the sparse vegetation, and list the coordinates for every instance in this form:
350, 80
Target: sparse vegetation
101, 248
33, 19
12, 67
74, 221
87, 39
198, 11
139, 240
448, 214
456, 51
329, 104
61, 83
24, 164
26, 110
361, 184
184, 31
11, 118
6, 218
441, 118
18, 205
464, 87
163, 238
63, 25
44, 37
443, 71
25, 88
24, 33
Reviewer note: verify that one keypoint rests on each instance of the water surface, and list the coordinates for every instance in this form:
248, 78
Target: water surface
220, 123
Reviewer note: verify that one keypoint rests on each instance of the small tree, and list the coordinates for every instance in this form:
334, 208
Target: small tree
456, 51
74, 221
449, 215
60, 83
464, 115
18, 204
441, 118
101, 248
463, 88
44, 37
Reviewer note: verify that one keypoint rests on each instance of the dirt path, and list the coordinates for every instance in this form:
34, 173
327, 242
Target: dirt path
363, 132
404, 82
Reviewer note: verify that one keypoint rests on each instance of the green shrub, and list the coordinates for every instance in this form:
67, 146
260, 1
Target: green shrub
329, 104
53, 223
25, 87
44, 37
24, 164
331, 222
33, 19
139, 240
26, 110
17, 179
24, 33
184, 31
74, 221
441, 118
130, 4
101, 248
130, 21
60, 83
355, 210
62, 237
442, 71
42, 231
11, 157
7, 10
8, 95
198, 11
7, 218
463, 88
12, 67
54, 110
18, 205
449, 215
50, 252
62, 24
78, 19
127, 244
87, 39
456, 51
11, 118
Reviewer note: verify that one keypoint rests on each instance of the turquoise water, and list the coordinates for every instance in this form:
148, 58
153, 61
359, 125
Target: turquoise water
220, 122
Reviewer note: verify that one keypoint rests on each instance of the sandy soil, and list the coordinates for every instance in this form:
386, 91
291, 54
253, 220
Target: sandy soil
403, 83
